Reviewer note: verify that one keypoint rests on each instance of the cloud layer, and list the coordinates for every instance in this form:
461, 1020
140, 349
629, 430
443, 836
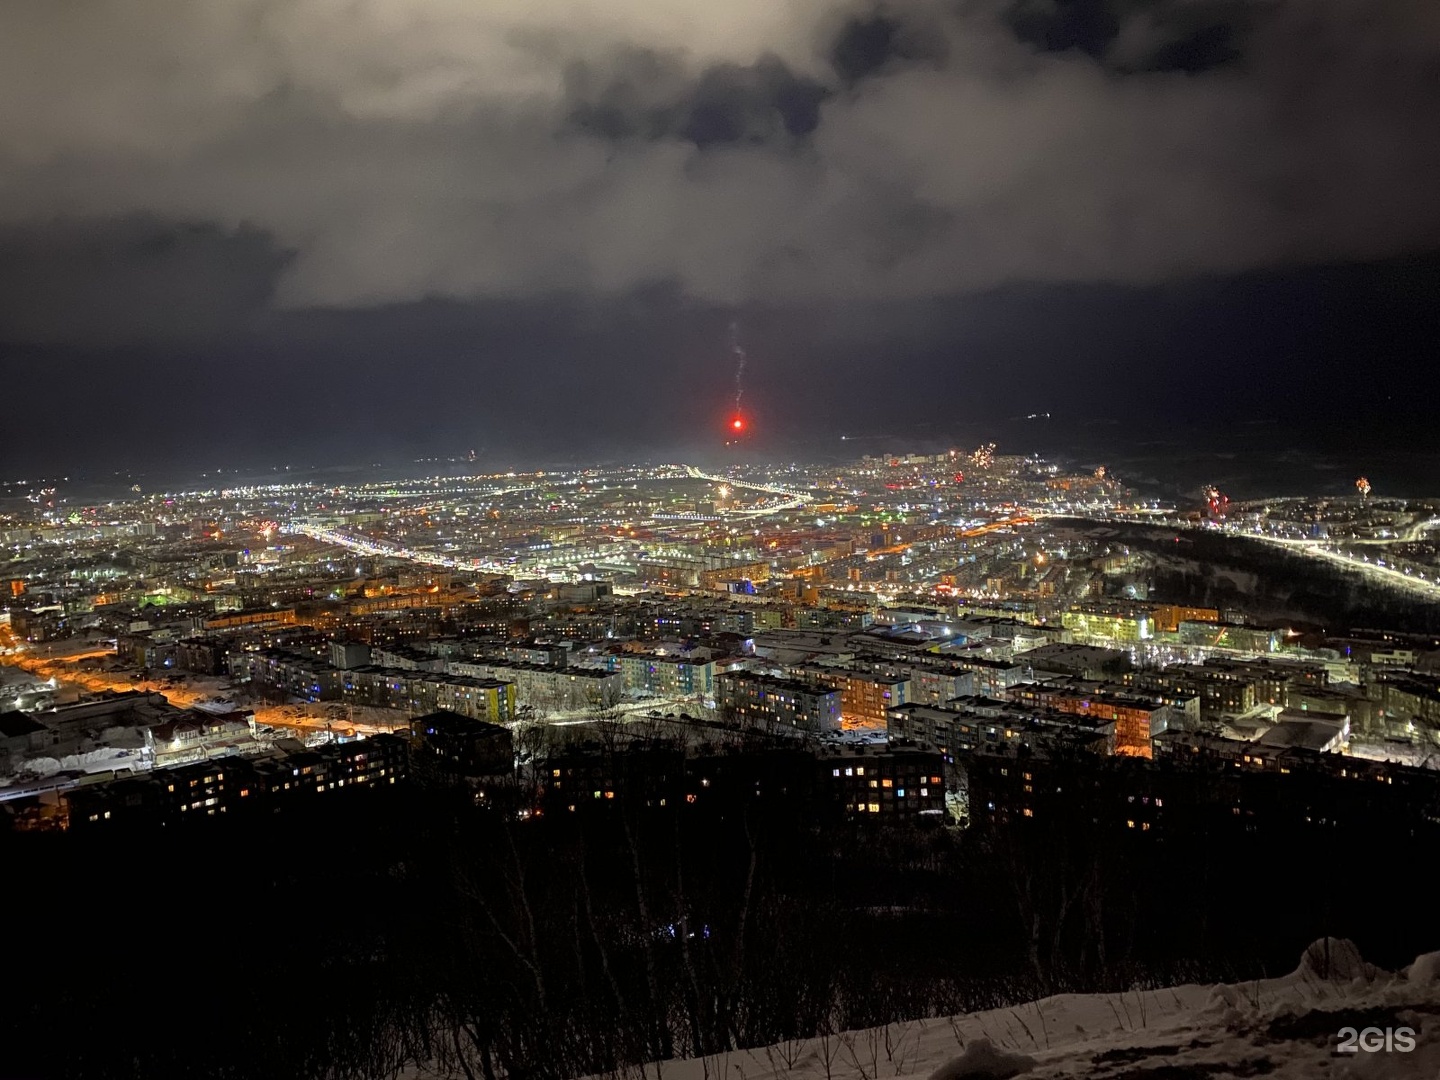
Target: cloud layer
773, 150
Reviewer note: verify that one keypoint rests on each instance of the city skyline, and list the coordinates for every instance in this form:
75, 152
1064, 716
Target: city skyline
901, 688
769, 540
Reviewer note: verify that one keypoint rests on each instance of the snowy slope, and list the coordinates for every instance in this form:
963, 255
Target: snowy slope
1286, 1028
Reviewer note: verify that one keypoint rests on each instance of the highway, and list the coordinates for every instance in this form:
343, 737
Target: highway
795, 499
1318, 549
367, 545
1387, 575
370, 546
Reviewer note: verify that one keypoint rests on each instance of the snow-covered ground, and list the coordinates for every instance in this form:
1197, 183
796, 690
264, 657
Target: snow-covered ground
1289, 1028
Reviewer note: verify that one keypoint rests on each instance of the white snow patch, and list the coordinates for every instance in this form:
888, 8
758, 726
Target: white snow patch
1335, 959
1287, 1028
1425, 971
983, 1060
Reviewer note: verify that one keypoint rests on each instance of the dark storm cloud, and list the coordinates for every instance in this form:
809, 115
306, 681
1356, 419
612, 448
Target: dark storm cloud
132, 280
646, 95
878, 41
822, 148
1131, 36
1087, 25
1316, 355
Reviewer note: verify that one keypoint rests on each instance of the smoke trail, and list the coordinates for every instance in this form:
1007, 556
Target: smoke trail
739, 352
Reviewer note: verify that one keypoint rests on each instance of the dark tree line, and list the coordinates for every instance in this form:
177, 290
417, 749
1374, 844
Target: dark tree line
385, 928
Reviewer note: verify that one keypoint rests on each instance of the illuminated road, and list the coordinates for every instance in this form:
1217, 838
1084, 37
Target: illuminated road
369, 546
284, 716
1380, 575
996, 526
795, 499
65, 668
1408, 535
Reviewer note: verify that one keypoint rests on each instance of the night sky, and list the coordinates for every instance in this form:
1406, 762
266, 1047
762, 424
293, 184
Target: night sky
273, 230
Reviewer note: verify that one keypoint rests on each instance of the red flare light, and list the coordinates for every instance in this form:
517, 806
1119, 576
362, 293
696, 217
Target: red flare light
738, 423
